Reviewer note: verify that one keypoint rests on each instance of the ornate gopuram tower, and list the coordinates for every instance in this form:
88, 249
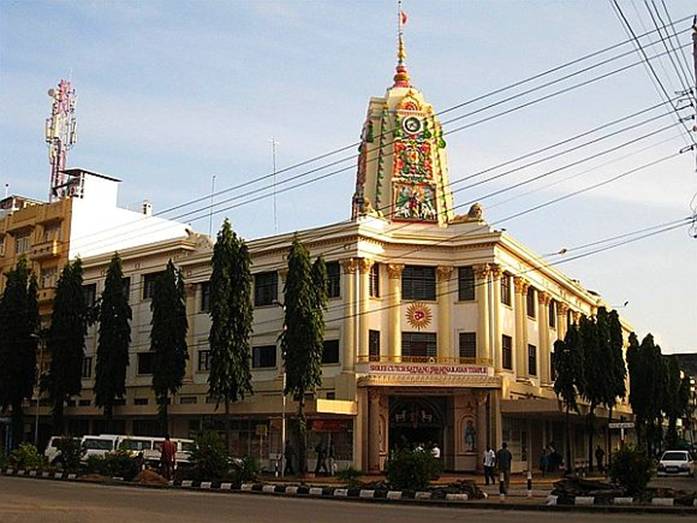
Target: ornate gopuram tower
403, 168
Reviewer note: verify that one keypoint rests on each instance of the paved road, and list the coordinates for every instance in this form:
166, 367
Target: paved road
33, 501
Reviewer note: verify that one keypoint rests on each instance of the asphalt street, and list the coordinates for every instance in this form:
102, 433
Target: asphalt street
32, 501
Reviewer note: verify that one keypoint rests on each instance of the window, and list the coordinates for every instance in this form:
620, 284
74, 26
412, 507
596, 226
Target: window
22, 243
84, 403
552, 314
419, 283
375, 280
265, 288
333, 280
89, 291
506, 289
507, 352
48, 277
140, 401
126, 283
205, 296
532, 360
204, 364
374, 345
418, 345
531, 302
149, 283
188, 400
264, 356
52, 232
330, 354
145, 362
468, 345
87, 367
465, 283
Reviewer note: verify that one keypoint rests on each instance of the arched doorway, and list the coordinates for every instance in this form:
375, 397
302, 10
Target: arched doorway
416, 421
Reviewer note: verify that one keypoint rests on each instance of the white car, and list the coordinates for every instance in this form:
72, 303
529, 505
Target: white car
676, 462
98, 445
52, 452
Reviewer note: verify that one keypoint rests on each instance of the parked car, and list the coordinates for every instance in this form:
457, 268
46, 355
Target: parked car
52, 452
99, 445
676, 462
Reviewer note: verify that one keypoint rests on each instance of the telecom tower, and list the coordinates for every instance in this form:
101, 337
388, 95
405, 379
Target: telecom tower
61, 135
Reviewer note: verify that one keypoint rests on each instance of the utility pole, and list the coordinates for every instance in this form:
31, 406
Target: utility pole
274, 143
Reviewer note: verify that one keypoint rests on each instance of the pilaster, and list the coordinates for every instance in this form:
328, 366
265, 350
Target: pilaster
543, 333
192, 297
562, 324
445, 345
349, 335
496, 274
521, 328
374, 430
394, 273
364, 265
481, 273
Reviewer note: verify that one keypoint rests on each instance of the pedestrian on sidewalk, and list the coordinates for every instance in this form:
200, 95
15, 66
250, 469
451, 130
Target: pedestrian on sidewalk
544, 460
599, 458
489, 464
503, 461
289, 455
168, 457
321, 459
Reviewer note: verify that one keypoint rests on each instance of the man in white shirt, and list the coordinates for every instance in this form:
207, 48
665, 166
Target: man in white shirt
489, 464
435, 451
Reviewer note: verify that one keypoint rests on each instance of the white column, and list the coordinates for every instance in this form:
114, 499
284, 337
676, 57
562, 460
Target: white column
445, 345
394, 290
349, 340
482, 294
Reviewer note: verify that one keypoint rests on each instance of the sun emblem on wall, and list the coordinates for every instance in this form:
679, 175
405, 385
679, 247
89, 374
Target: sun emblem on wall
419, 315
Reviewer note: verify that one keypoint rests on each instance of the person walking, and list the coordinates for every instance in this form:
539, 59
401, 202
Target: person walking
321, 459
503, 461
168, 457
489, 464
289, 455
600, 458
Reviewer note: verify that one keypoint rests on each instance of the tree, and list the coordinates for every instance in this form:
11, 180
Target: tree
676, 400
114, 340
568, 369
303, 335
168, 337
19, 323
231, 326
618, 370
66, 341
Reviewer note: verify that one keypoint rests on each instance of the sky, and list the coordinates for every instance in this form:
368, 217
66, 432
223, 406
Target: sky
173, 93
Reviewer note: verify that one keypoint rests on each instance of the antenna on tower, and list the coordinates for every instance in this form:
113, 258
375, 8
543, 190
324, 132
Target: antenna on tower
61, 135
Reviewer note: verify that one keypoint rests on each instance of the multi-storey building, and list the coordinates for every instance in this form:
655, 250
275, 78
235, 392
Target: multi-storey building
440, 328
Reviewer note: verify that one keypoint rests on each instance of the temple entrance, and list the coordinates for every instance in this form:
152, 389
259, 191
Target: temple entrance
416, 421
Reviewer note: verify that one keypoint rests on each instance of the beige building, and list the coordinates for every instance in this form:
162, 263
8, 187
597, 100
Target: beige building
440, 328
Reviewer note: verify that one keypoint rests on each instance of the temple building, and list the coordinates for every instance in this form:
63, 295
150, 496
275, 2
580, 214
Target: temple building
440, 328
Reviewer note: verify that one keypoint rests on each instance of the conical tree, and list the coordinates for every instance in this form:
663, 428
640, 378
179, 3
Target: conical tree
168, 338
568, 367
618, 369
19, 323
114, 339
66, 341
231, 321
303, 335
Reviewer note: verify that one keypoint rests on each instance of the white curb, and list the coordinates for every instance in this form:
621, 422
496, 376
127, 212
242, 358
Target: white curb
247, 487
291, 490
21, 472
206, 484
551, 500
364, 493
341, 492
664, 502
226, 486
422, 495
584, 500
58, 475
622, 501
315, 491
269, 489
9, 472
456, 497
45, 474
187, 483
32, 473
394, 494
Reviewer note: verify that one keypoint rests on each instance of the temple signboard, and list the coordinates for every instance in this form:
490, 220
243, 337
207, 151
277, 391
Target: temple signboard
429, 369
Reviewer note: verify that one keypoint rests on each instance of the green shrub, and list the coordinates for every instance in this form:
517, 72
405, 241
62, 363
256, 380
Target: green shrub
26, 457
3, 459
632, 469
412, 470
349, 476
70, 454
210, 459
244, 470
118, 464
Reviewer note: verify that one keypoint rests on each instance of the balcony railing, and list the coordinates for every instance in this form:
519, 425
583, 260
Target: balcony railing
47, 249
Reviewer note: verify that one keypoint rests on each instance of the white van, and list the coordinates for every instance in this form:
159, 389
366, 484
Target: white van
98, 445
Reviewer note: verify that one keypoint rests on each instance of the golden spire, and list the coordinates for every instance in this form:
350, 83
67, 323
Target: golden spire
401, 77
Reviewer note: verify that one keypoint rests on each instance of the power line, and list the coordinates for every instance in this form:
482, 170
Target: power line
688, 67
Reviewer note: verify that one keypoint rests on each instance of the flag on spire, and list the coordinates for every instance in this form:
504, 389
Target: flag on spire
403, 17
